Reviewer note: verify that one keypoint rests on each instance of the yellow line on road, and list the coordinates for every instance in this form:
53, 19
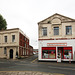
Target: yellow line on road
34, 60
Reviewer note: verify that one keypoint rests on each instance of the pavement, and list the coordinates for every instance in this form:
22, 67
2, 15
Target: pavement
26, 73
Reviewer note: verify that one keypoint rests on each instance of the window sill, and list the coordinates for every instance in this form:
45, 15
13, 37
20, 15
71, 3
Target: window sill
44, 36
69, 35
56, 35
5, 43
12, 42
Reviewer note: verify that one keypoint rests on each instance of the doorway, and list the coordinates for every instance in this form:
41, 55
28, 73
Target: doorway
60, 52
11, 53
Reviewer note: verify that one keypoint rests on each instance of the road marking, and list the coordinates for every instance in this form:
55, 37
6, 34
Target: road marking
34, 60
61, 68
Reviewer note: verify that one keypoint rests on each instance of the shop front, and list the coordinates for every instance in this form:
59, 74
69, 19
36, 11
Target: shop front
56, 51
61, 52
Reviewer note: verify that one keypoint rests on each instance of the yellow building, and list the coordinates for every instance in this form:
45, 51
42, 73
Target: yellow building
13, 43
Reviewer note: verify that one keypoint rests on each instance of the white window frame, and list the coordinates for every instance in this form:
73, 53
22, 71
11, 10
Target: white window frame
69, 33
5, 39
54, 31
43, 31
13, 40
5, 50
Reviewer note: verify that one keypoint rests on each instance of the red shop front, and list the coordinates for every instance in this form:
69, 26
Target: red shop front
57, 52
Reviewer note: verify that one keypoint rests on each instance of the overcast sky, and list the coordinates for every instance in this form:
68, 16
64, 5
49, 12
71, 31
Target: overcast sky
25, 14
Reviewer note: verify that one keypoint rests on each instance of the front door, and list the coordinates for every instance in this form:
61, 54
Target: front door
11, 53
60, 52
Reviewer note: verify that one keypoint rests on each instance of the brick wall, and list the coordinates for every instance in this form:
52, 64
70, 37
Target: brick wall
22, 42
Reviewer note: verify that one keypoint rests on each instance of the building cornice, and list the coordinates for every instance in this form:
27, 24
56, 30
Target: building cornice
58, 39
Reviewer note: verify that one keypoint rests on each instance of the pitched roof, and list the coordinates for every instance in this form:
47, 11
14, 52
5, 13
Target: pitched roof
63, 18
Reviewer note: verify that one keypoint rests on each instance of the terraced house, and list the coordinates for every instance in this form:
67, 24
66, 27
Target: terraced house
56, 35
14, 43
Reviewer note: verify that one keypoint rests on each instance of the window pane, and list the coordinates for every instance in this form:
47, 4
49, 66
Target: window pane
44, 53
4, 50
44, 31
51, 53
48, 54
5, 38
67, 54
25, 51
56, 30
13, 38
68, 30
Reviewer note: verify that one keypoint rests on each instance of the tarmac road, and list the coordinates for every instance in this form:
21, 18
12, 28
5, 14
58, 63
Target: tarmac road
31, 64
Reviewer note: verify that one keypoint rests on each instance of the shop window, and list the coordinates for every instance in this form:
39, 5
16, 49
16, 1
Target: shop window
44, 31
49, 52
68, 30
67, 54
56, 30
45, 53
52, 53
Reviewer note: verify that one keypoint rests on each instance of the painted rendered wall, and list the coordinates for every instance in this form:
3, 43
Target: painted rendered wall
9, 44
43, 43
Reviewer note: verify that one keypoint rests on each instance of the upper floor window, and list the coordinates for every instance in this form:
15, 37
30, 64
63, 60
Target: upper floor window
68, 30
44, 31
25, 45
56, 30
25, 38
13, 38
5, 38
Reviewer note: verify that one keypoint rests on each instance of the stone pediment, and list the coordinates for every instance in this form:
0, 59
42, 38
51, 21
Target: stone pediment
57, 19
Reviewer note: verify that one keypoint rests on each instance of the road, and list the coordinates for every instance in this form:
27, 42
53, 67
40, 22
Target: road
31, 64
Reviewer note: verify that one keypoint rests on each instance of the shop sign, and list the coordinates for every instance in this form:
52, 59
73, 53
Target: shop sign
56, 44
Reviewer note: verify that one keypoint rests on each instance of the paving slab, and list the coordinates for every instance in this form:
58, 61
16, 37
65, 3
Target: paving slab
26, 73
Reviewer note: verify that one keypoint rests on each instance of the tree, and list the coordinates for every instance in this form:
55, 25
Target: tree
3, 23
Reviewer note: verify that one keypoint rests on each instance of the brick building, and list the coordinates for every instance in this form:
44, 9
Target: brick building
13, 43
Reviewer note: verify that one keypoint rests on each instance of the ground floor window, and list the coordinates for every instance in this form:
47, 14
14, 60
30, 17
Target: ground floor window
25, 51
63, 52
68, 53
5, 50
49, 52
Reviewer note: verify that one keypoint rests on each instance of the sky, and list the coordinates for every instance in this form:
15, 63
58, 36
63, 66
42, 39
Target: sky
25, 14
